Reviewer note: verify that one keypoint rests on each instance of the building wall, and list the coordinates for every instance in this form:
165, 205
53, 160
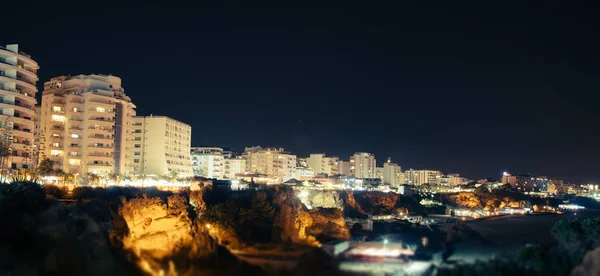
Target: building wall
276, 163
344, 168
362, 165
18, 78
85, 124
392, 174
233, 166
526, 183
161, 146
321, 164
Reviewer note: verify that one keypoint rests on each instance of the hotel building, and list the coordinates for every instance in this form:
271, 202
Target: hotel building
161, 146
362, 165
275, 163
85, 124
419, 177
320, 164
18, 77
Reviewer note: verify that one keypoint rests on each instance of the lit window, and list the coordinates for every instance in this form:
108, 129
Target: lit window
56, 145
56, 109
58, 118
55, 135
100, 109
75, 109
74, 135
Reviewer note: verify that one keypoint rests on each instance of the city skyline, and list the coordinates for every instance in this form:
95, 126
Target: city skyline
488, 101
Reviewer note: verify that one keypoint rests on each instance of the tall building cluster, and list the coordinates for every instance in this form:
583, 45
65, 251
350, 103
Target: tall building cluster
86, 124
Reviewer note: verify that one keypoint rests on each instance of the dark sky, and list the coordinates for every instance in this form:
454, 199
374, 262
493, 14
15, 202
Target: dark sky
475, 88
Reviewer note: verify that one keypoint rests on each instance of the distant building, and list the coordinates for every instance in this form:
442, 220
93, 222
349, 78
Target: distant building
344, 168
322, 164
419, 177
208, 162
452, 180
392, 174
362, 165
161, 146
276, 163
530, 183
509, 179
304, 172
379, 173
233, 166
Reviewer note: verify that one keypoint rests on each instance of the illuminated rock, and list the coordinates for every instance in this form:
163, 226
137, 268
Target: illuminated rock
155, 227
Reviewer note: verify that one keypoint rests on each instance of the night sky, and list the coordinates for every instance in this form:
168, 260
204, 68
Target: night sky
475, 88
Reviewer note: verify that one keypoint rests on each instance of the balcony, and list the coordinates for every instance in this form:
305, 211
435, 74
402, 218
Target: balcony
101, 119
99, 165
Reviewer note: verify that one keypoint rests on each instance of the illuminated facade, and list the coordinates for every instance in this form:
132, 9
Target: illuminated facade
86, 124
392, 174
362, 165
18, 77
208, 162
161, 146
452, 180
320, 164
344, 168
530, 183
275, 163
419, 177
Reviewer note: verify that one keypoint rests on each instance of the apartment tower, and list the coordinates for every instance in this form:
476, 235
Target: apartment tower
85, 124
18, 77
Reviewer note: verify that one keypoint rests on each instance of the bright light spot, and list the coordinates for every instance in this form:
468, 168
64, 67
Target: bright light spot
304, 194
385, 241
505, 173
208, 225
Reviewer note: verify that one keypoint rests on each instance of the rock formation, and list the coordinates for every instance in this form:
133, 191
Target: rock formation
155, 227
291, 219
328, 224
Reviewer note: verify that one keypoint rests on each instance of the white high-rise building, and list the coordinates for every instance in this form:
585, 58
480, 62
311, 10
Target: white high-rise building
18, 77
86, 125
392, 174
233, 166
275, 163
362, 165
208, 162
161, 146
320, 164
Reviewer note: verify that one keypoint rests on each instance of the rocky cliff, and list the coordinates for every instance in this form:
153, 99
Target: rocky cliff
291, 219
328, 224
